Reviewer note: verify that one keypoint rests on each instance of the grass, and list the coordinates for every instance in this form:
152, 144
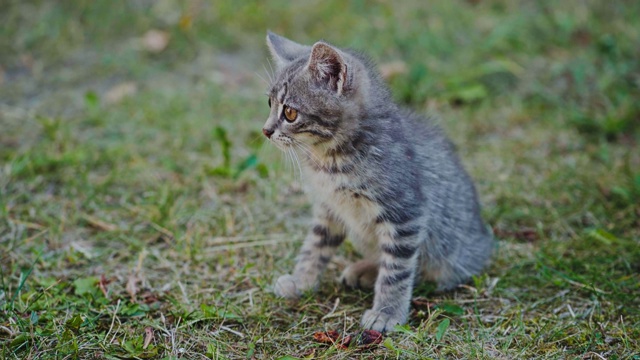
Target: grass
151, 222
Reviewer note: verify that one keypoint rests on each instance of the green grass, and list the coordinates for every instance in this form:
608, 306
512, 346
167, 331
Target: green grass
164, 213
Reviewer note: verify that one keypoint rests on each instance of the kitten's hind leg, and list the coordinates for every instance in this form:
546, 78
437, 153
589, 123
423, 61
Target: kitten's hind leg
324, 237
360, 275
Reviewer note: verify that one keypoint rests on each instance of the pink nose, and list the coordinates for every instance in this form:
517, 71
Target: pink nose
267, 132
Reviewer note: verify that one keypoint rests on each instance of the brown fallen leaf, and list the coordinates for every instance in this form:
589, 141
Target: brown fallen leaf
365, 339
149, 298
155, 40
422, 303
529, 235
524, 234
326, 337
344, 344
582, 37
131, 287
148, 337
369, 338
103, 285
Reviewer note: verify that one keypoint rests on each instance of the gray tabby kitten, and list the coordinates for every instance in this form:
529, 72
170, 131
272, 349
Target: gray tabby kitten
376, 173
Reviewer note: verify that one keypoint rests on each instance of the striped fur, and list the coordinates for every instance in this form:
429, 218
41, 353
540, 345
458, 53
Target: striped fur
381, 176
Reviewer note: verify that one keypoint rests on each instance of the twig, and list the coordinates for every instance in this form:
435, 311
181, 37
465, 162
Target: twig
335, 306
243, 245
237, 333
596, 354
223, 240
113, 319
583, 286
99, 224
162, 230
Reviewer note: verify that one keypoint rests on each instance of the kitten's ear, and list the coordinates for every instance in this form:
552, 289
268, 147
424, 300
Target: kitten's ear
328, 66
283, 50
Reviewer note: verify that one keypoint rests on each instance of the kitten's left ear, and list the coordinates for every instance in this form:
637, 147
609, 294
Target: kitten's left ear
328, 66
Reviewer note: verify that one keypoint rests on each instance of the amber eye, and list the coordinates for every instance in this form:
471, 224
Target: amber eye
290, 114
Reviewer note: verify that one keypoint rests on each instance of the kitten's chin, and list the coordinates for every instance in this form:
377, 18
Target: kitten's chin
279, 146
282, 146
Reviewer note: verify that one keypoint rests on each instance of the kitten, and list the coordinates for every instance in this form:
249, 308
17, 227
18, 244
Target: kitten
376, 173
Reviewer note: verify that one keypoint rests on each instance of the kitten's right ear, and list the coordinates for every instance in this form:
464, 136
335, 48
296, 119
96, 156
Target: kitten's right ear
283, 50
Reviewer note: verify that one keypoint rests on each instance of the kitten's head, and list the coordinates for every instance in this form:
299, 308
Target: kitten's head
317, 93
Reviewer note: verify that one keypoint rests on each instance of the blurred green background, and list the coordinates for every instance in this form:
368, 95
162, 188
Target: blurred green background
136, 188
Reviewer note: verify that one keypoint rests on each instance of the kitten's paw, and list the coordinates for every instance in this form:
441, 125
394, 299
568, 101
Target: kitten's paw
286, 287
380, 321
360, 275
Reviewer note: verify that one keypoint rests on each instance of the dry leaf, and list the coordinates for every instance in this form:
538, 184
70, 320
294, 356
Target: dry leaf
582, 37
155, 40
366, 339
524, 234
149, 298
529, 235
344, 344
370, 338
131, 287
148, 337
392, 69
103, 285
326, 337
120, 91
422, 303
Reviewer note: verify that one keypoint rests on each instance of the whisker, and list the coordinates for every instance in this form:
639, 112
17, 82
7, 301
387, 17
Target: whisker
262, 150
290, 157
295, 155
308, 153
311, 155
255, 139
295, 163
263, 79
273, 76
269, 75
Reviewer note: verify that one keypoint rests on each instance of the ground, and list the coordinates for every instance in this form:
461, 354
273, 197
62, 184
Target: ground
142, 214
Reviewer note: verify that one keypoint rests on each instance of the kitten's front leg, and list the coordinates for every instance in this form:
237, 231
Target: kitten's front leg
394, 285
324, 237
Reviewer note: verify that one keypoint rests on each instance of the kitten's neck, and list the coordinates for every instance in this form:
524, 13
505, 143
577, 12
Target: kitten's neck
340, 155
